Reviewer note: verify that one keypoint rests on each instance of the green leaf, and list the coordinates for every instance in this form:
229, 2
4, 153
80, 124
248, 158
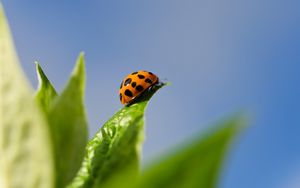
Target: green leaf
26, 158
196, 165
116, 147
69, 126
45, 93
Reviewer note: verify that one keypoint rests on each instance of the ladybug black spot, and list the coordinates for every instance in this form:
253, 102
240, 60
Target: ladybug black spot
148, 81
133, 84
121, 85
141, 76
120, 96
127, 81
128, 93
139, 88
134, 73
150, 73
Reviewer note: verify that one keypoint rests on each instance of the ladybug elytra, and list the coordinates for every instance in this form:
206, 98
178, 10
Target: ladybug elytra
135, 84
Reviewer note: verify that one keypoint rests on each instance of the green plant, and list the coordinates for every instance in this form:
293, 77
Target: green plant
44, 143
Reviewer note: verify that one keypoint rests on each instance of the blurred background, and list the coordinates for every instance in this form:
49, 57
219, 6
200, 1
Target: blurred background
221, 57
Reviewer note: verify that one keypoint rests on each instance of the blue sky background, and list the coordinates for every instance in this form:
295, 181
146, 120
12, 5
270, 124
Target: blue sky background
221, 56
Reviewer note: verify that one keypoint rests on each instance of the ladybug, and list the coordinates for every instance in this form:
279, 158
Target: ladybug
136, 84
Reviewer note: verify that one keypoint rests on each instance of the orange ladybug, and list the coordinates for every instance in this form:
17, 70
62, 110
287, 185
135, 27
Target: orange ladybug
135, 84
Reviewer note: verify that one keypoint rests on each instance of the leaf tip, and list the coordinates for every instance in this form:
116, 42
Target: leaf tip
167, 83
81, 58
37, 66
40, 73
81, 54
237, 123
79, 69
